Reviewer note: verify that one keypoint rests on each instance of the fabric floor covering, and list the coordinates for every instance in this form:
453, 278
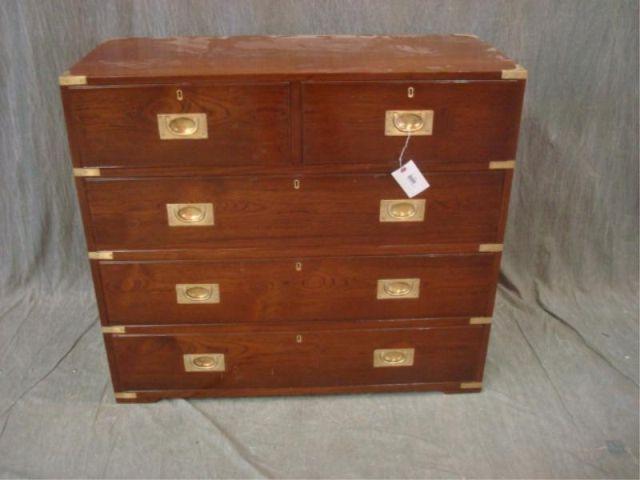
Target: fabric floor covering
552, 406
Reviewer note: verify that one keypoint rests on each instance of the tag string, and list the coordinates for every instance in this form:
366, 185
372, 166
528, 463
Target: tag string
406, 144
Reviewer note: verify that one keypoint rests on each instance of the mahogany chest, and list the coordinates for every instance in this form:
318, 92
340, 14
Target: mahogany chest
245, 234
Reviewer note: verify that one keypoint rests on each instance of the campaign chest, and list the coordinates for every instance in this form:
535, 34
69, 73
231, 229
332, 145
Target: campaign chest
244, 231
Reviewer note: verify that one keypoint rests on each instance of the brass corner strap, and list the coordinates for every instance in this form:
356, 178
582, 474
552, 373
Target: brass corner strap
114, 329
470, 385
518, 73
502, 165
86, 172
471, 35
101, 255
480, 321
125, 395
490, 247
66, 79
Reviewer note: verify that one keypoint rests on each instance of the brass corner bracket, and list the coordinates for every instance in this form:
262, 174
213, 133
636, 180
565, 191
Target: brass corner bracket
86, 172
66, 79
480, 321
490, 247
502, 165
101, 255
125, 395
114, 329
470, 385
518, 73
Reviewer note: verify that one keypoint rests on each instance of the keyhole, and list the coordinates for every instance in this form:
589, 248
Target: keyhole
298, 338
410, 92
179, 94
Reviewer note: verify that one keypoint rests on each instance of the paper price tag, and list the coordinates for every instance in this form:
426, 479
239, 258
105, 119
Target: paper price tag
410, 179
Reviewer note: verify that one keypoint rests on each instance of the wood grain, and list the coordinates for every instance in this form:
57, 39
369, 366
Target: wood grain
298, 357
460, 207
131, 60
273, 290
473, 121
117, 126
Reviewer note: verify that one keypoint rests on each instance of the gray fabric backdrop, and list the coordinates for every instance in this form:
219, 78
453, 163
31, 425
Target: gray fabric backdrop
561, 386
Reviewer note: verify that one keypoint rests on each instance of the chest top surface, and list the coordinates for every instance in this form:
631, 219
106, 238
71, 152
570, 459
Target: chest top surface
135, 60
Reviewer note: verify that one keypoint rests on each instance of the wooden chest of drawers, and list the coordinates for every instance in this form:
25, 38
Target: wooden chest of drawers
245, 233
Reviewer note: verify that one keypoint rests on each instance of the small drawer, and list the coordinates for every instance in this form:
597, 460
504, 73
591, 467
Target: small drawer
179, 125
308, 289
169, 212
297, 357
449, 122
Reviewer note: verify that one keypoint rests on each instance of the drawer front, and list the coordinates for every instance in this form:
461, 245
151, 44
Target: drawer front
472, 121
349, 288
150, 126
298, 358
458, 207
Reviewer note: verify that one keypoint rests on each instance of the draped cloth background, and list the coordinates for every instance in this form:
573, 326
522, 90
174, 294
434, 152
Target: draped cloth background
561, 384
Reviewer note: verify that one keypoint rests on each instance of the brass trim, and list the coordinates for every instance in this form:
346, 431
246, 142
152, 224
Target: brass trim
204, 362
470, 385
114, 329
393, 357
398, 288
490, 247
502, 165
190, 214
464, 35
66, 79
125, 395
402, 210
197, 293
400, 123
480, 321
86, 172
182, 126
518, 73
102, 255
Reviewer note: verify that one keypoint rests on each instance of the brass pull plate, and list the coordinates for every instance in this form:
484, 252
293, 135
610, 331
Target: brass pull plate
393, 357
194, 293
190, 214
402, 210
400, 123
398, 288
182, 126
204, 362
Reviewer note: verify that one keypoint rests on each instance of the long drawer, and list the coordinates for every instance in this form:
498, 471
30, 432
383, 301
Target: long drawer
180, 125
143, 213
340, 288
296, 357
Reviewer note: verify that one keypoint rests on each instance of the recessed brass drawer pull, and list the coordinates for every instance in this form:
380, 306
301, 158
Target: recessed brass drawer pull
403, 210
204, 362
396, 357
408, 122
187, 293
398, 288
190, 214
182, 126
